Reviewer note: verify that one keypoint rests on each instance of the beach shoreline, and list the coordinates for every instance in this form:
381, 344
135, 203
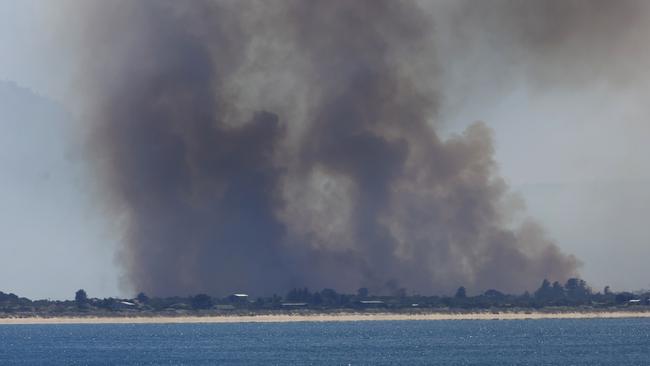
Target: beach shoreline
322, 317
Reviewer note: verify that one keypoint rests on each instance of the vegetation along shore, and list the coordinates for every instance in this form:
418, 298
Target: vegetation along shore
573, 299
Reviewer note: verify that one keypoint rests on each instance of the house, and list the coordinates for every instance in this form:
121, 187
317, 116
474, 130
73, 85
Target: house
238, 298
371, 304
294, 304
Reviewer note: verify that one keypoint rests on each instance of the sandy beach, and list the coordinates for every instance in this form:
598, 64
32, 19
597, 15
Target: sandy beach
342, 317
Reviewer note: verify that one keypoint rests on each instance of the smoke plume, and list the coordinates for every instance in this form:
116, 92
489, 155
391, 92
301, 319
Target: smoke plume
258, 146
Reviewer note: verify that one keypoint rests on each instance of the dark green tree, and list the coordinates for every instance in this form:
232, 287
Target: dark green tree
107, 303
461, 293
142, 298
299, 295
330, 297
557, 292
317, 299
201, 301
544, 293
577, 290
81, 298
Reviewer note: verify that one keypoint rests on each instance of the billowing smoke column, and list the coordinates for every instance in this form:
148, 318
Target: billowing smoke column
258, 146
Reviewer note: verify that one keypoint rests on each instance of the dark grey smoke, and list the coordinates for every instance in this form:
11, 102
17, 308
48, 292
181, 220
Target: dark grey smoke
258, 146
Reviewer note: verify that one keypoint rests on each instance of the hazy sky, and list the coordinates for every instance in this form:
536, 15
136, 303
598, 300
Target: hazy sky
577, 156
52, 238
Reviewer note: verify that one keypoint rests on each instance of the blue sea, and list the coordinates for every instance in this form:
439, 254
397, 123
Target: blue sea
457, 342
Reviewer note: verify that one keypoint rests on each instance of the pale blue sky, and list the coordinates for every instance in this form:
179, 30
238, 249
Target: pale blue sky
578, 157
53, 239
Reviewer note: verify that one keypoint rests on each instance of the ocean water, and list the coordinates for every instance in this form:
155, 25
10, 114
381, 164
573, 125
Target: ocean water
472, 342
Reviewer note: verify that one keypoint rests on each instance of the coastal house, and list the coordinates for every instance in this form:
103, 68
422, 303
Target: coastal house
371, 304
294, 305
238, 298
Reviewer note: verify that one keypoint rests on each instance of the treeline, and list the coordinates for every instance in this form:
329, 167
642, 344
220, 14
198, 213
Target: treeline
574, 293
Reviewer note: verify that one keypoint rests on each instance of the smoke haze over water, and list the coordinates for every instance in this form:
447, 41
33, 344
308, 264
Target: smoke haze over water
257, 146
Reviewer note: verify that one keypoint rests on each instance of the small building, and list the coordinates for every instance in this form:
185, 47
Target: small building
294, 304
238, 298
122, 305
372, 304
